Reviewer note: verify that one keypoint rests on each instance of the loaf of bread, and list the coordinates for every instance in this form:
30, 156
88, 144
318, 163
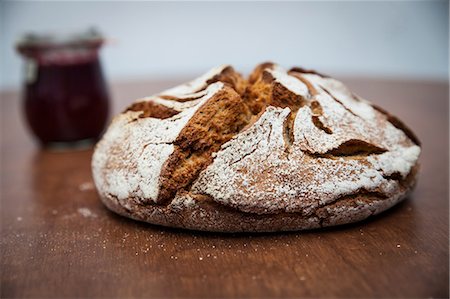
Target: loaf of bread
279, 151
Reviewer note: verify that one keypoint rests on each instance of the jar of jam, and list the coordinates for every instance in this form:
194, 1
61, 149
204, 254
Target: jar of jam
65, 96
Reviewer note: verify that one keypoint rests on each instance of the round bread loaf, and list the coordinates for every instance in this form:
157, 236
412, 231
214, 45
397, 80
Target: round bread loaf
281, 150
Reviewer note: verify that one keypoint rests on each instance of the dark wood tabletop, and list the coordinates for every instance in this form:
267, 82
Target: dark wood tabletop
58, 240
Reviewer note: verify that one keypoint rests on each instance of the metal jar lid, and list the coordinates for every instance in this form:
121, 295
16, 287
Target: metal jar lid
51, 48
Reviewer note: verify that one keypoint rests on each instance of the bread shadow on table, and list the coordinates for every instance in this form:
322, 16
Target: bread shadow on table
387, 216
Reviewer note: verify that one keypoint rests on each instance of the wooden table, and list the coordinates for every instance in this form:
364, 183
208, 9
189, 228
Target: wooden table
58, 240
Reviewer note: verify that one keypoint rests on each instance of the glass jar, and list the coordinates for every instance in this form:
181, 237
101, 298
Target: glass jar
65, 96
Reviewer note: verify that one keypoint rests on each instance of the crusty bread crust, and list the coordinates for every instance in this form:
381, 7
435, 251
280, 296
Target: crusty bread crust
204, 214
283, 151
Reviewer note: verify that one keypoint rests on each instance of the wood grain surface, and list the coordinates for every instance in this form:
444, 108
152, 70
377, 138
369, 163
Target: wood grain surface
58, 240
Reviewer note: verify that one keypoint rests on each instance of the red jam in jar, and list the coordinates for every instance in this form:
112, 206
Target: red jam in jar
65, 95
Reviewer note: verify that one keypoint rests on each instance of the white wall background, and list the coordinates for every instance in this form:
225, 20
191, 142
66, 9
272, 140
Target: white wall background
160, 39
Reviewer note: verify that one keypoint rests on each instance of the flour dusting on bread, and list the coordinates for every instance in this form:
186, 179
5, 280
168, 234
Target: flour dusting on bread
283, 150
129, 159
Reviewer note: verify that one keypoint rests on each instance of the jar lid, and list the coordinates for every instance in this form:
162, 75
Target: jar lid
44, 46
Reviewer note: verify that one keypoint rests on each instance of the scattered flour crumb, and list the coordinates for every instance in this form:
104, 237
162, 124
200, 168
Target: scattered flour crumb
85, 212
398, 246
86, 186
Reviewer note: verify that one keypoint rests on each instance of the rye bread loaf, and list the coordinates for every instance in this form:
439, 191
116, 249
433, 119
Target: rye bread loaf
282, 150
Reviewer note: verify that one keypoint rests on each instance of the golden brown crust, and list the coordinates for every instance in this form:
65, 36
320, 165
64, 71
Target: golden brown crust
282, 151
150, 109
230, 77
216, 122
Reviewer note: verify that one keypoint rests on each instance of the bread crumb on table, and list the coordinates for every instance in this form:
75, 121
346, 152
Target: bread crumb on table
86, 186
85, 212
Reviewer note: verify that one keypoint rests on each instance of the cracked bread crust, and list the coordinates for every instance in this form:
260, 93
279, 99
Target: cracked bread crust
199, 212
284, 150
